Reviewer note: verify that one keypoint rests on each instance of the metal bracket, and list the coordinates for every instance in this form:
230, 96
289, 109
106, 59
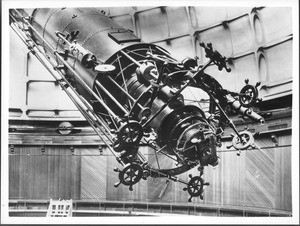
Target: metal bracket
100, 150
43, 149
274, 138
72, 150
12, 149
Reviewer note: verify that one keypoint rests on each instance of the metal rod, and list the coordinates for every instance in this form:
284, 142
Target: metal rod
98, 118
130, 58
82, 111
55, 52
142, 157
40, 56
96, 129
158, 151
123, 77
80, 107
156, 159
97, 90
124, 91
63, 38
110, 96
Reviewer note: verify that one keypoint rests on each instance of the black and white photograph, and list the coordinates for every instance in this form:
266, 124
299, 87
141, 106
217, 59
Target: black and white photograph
131, 112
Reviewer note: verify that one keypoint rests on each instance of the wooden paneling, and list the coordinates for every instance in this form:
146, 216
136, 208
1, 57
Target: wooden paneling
33, 176
158, 188
257, 178
283, 180
93, 175
260, 177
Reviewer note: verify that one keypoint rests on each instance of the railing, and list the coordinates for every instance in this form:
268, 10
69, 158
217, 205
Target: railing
136, 208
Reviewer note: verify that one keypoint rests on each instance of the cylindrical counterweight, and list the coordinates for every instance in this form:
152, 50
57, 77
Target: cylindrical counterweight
235, 104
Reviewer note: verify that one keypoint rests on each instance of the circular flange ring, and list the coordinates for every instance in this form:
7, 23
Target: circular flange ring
130, 133
195, 186
105, 69
244, 141
131, 174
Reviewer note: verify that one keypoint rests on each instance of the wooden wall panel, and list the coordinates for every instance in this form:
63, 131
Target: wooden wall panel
33, 176
283, 176
259, 178
93, 174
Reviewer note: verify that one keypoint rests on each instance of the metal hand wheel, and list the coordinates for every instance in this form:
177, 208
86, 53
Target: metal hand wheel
248, 95
130, 133
243, 141
130, 175
195, 186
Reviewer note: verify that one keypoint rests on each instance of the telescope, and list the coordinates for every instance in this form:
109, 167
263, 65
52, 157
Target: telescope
132, 93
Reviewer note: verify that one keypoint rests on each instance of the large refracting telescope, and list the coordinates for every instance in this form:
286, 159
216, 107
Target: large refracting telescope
131, 92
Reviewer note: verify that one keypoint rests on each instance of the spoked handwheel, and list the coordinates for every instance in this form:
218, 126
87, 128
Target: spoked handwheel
248, 96
243, 141
130, 133
195, 187
130, 175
